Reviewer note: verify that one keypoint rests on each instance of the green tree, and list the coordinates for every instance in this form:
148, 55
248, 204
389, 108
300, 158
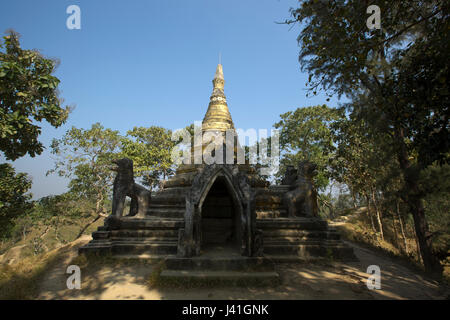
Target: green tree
29, 95
14, 199
306, 135
85, 157
364, 162
343, 57
435, 185
51, 213
150, 149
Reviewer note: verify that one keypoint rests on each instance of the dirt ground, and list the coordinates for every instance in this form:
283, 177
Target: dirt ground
299, 281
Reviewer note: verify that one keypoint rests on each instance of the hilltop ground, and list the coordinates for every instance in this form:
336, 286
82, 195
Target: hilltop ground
44, 277
129, 280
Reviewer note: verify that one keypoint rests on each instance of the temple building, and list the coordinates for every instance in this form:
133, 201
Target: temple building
223, 211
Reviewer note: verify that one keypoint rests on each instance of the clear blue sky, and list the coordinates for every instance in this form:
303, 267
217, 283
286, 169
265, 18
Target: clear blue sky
143, 63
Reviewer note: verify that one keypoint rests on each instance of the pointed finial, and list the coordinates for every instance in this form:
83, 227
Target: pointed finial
219, 72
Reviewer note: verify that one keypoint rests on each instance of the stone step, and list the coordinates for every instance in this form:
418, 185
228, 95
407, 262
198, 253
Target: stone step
293, 223
300, 249
164, 214
166, 211
236, 278
294, 241
140, 248
278, 209
122, 241
130, 247
301, 234
98, 235
158, 233
268, 239
95, 248
99, 242
152, 258
145, 239
168, 199
220, 264
152, 223
337, 252
167, 205
276, 258
263, 213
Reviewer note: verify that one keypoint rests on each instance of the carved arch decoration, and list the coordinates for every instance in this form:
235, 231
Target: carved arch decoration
189, 241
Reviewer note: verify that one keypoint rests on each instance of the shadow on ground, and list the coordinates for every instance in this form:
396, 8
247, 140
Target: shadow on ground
111, 279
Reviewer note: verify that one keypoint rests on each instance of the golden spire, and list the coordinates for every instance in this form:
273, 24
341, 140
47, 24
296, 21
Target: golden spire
218, 116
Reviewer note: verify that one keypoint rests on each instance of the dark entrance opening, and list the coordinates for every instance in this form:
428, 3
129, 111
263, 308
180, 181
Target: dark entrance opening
220, 218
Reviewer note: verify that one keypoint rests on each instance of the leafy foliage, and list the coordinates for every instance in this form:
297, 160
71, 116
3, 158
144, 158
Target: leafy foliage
85, 157
306, 135
150, 149
399, 73
29, 95
14, 199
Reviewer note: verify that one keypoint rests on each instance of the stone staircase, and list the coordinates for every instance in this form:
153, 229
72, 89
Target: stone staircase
150, 236
166, 210
156, 238
220, 266
168, 203
302, 239
285, 240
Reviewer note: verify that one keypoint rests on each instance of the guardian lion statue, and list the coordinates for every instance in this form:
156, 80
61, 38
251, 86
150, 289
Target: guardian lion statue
290, 176
301, 200
124, 186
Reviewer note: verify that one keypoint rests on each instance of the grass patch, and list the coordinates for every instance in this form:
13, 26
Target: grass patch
356, 231
368, 239
21, 280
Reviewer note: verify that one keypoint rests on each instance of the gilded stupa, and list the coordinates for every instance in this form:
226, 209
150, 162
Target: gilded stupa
218, 117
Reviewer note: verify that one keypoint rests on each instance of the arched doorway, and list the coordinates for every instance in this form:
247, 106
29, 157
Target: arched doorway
220, 218
243, 240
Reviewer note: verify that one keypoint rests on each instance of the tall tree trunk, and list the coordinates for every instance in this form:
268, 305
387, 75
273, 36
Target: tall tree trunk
87, 226
402, 229
43, 234
56, 230
413, 200
354, 199
380, 224
369, 214
419, 255
24, 233
397, 245
99, 213
329, 206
